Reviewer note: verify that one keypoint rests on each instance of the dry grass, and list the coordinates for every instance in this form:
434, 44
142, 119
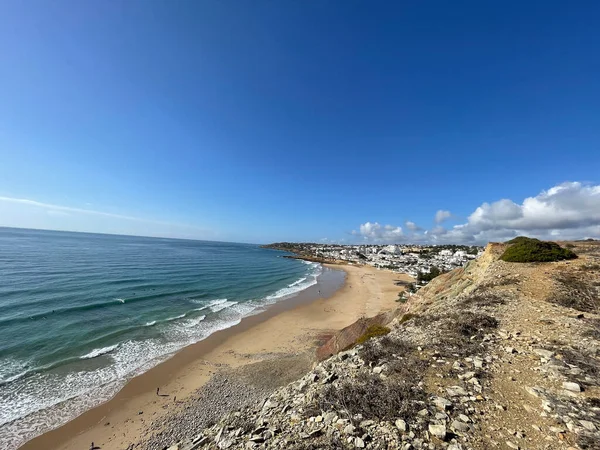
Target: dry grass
374, 398
503, 281
384, 349
469, 324
482, 299
588, 442
318, 443
589, 364
459, 333
573, 292
593, 329
398, 395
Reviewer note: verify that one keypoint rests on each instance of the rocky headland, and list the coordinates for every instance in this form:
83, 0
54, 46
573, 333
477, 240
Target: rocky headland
493, 355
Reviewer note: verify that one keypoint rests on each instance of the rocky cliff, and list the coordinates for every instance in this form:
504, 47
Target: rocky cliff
492, 355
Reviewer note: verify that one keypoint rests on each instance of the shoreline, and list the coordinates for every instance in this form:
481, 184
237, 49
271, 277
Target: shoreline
291, 327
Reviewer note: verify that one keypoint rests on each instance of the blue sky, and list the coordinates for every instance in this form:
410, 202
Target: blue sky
260, 121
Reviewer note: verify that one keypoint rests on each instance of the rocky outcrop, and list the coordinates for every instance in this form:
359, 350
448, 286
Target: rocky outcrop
346, 337
487, 356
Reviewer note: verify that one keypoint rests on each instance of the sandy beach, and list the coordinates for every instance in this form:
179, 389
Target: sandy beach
265, 351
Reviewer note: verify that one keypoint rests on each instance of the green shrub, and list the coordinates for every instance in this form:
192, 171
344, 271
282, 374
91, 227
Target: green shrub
373, 331
520, 240
427, 277
406, 317
524, 249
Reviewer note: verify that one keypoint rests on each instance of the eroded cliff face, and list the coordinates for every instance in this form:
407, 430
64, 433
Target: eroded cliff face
492, 355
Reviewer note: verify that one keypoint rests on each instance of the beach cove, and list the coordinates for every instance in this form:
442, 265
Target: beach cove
232, 366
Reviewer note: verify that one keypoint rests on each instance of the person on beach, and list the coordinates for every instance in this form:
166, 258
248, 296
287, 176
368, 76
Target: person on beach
92, 447
157, 390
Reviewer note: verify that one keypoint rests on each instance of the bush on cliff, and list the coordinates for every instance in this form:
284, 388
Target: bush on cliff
524, 249
373, 331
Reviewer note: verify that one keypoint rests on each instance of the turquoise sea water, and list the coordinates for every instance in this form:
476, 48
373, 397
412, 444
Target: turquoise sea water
81, 313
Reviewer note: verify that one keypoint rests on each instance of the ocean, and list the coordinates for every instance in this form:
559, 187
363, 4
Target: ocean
82, 313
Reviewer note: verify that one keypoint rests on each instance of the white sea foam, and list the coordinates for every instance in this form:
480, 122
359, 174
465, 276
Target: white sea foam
149, 324
222, 305
120, 300
99, 351
12, 369
210, 303
297, 282
175, 318
193, 322
52, 398
298, 285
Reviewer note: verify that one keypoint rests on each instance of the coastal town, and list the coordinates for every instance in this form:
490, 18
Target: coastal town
411, 259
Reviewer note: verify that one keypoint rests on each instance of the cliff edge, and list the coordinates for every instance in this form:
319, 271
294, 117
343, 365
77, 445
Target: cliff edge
493, 355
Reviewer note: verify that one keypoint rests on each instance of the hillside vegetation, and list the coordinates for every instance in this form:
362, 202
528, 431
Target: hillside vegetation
523, 249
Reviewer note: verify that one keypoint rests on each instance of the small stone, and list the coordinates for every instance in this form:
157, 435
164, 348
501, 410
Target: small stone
543, 353
464, 418
459, 426
441, 403
359, 443
401, 425
423, 412
535, 391
570, 386
511, 445
588, 425
349, 429
438, 431
330, 417
456, 391
510, 350
377, 370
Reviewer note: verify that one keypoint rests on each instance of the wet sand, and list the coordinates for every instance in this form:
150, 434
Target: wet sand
289, 328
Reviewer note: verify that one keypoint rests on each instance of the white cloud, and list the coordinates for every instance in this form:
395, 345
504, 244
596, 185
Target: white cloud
442, 215
412, 226
25, 213
567, 211
374, 232
67, 209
